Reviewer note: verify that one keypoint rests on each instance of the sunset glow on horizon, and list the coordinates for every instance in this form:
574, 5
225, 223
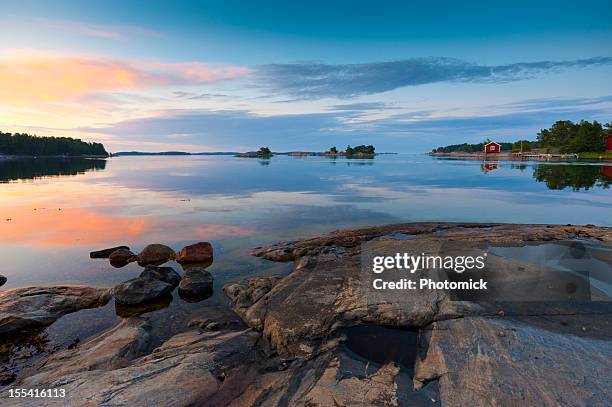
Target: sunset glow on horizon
207, 78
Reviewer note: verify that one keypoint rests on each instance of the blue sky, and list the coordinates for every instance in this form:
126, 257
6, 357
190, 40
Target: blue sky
204, 76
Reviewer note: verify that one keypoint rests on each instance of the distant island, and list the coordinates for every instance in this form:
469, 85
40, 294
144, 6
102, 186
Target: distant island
145, 153
21, 144
361, 151
583, 139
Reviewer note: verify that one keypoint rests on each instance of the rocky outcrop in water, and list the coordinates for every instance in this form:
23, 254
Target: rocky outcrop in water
138, 291
154, 254
189, 369
317, 340
474, 354
121, 257
104, 253
3, 280
33, 308
165, 274
201, 252
196, 285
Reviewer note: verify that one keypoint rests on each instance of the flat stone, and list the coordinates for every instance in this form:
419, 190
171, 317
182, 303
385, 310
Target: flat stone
31, 308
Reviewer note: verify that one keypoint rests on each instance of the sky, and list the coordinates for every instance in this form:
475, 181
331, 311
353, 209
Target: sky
405, 76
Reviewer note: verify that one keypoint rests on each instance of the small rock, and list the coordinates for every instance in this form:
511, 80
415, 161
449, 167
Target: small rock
141, 290
165, 274
6, 378
104, 253
121, 257
199, 322
501, 313
155, 254
2, 280
306, 261
213, 326
196, 253
196, 285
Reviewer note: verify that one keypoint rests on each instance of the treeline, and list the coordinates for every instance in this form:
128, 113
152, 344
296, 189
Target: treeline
569, 137
25, 144
564, 136
11, 170
468, 148
357, 150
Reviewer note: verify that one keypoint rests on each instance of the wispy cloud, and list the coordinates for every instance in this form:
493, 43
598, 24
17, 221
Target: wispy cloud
31, 78
406, 132
94, 30
313, 80
198, 96
362, 106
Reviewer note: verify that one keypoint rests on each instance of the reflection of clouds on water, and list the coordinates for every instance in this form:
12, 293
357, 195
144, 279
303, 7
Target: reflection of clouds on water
237, 203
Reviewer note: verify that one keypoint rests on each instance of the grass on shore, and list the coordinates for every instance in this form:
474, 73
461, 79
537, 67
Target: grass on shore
596, 156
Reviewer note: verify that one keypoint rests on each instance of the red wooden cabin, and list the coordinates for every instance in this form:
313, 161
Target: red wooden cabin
492, 147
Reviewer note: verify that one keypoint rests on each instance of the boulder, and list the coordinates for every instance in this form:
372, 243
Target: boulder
526, 360
165, 274
187, 370
2, 280
155, 254
121, 257
29, 308
196, 253
141, 290
196, 285
112, 349
104, 253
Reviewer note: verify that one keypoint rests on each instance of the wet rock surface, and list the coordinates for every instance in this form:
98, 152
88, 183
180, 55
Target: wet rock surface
196, 285
314, 340
141, 290
32, 308
154, 254
201, 252
121, 257
104, 253
165, 274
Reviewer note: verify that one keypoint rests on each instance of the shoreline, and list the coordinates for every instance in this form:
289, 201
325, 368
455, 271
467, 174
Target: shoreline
17, 157
512, 157
317, 318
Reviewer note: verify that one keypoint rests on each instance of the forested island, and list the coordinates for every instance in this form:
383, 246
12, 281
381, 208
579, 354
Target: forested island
587, 139
361, 151
21, 144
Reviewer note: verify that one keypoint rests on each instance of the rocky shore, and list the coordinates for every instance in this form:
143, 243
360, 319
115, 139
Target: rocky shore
314, 338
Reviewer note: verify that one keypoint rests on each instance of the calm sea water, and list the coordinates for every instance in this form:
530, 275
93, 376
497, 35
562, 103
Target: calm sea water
54, 212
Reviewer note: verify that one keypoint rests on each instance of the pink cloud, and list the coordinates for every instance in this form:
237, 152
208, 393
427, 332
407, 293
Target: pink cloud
95, 30
27, 78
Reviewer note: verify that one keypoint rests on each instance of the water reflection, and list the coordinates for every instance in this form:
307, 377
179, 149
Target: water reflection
126, 311
576, 177
32, 168
48, 226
